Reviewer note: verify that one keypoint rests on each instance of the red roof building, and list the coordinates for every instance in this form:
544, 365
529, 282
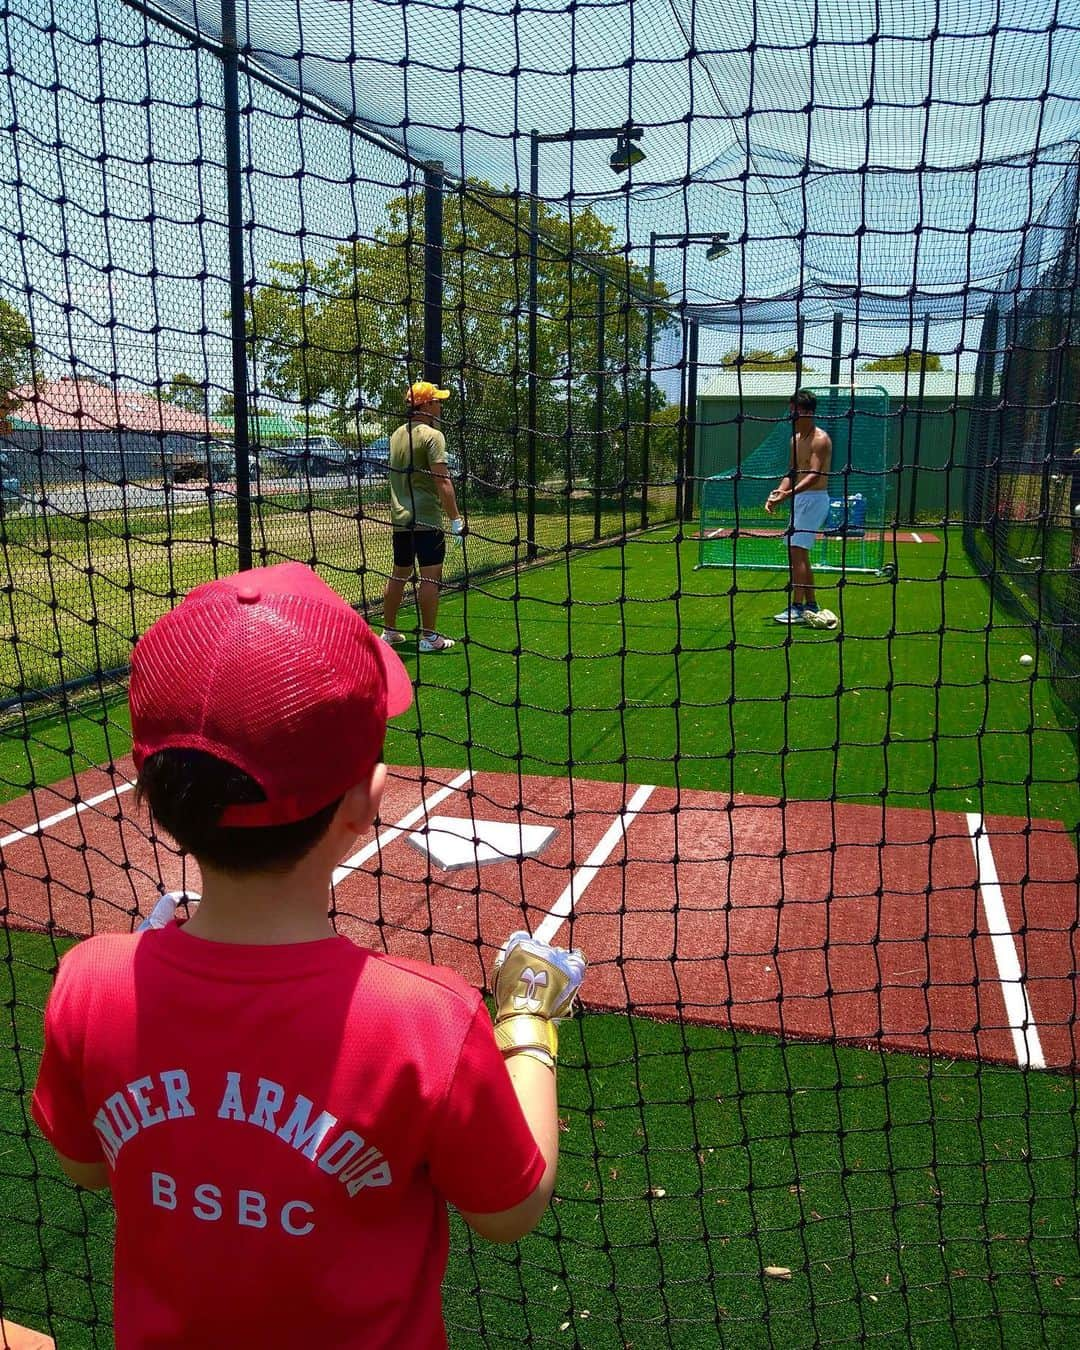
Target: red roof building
70, 404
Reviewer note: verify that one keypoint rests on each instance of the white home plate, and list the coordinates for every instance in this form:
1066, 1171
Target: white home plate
453, 841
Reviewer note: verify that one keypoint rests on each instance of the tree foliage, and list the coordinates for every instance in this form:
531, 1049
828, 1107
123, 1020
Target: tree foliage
16, 350
186, 392
758, 359
346, 335
904, 360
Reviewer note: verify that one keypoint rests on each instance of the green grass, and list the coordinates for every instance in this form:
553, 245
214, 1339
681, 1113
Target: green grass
78, 588
916, 1202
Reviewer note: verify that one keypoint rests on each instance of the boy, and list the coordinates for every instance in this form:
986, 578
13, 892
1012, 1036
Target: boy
283, 1116
421, 489
807, 482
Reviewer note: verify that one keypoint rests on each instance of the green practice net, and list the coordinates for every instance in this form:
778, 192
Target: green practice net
737, 531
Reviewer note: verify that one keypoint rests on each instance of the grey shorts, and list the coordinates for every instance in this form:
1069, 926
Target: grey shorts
810, 514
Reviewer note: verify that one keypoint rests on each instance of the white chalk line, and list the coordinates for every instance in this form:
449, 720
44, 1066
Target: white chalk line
1025, 1033
564, 906
50, 821
387, 836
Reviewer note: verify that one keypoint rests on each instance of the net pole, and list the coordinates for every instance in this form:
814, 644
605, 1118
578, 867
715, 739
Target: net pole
598, 415
433, 272
647, 429
531, 342
686, 509
837, 347
237, 293
916, 447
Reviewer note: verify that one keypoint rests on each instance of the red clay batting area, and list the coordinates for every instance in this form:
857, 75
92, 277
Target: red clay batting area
947, 934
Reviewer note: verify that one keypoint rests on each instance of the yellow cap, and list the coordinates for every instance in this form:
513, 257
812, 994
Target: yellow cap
423, 391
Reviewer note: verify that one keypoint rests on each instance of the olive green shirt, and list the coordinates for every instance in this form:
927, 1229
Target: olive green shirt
414, 448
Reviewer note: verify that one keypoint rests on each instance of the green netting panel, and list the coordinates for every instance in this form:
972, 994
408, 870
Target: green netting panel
735, 529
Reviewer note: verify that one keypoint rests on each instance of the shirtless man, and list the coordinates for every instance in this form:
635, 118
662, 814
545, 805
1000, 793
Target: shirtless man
808, 483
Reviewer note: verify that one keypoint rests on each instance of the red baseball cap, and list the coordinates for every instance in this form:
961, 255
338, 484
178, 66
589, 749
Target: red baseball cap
273, 672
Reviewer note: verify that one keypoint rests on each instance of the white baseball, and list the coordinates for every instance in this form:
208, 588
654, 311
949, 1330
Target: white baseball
1027, 660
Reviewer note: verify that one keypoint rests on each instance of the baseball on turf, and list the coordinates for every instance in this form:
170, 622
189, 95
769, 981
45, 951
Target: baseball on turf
1027, 660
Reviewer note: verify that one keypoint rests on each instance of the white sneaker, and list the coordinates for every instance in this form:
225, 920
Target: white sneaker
435, 642
793, 615
392, 637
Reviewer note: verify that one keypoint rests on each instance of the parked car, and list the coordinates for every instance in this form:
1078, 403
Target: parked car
209, 458
316, 456
374, 459
10, 487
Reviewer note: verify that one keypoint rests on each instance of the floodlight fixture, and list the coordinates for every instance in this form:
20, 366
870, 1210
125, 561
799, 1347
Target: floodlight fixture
627, 152
718, 247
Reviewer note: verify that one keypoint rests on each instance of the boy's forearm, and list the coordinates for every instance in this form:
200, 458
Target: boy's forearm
534, 1085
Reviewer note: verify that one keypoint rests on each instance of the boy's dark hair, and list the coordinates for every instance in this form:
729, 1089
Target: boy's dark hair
187, 790
804, 400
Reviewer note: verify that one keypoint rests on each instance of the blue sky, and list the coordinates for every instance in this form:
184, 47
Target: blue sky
915, 177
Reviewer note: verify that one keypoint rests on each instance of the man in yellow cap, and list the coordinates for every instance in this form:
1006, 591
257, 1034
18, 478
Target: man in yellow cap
421, 490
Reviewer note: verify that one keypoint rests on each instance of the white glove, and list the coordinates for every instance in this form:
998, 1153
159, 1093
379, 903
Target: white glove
164, 911
457, 530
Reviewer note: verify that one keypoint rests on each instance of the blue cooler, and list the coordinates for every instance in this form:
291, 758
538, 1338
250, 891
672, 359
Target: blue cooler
847, 516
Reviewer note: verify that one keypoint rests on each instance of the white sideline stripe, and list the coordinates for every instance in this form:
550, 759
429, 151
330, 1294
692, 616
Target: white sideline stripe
50, 821
388, 836
916, 537
1025, 1033
564, 906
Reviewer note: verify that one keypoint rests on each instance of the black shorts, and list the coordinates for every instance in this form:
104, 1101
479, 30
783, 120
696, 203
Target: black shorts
423, 546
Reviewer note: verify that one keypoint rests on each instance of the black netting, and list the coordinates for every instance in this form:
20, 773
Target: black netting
1023, 470
822, 1090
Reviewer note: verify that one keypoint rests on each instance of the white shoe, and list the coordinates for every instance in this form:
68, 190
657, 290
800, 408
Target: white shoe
392, 637
793, 615
435, 642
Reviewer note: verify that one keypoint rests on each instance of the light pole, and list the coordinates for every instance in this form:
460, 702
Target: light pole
626, 154
717, 249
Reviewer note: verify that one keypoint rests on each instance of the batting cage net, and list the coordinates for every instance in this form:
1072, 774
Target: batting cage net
736, 530
1022, 489
822, 1087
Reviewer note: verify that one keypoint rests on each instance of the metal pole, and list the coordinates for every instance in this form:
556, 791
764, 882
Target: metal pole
917, 444
691, 423
837, 346
230, 73
433, 272
531, 358
799, 335
647, 429
598, 415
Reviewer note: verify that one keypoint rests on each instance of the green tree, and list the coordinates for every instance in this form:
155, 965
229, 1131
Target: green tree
758, 359
186, 392
16, 350
904, 360
347, 334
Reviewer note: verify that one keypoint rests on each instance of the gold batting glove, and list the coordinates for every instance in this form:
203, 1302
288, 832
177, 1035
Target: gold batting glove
535, 985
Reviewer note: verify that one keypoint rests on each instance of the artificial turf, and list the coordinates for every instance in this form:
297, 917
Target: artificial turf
915, 1202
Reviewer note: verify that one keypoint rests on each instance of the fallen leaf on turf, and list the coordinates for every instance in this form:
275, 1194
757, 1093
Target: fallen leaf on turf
778, 1272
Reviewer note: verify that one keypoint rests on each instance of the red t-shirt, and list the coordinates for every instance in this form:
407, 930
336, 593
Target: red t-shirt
283, 1128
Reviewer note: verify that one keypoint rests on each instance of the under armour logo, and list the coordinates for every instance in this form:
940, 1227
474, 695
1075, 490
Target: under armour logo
532, 981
